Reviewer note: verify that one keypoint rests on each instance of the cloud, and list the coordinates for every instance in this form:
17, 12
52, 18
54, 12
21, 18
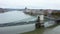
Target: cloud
52, 4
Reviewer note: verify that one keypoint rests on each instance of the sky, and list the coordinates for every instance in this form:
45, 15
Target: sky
35, 4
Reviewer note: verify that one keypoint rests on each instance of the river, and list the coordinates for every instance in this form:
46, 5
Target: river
17, 29
15, 17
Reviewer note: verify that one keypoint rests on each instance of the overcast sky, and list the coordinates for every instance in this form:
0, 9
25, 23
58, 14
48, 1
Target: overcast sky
45, 4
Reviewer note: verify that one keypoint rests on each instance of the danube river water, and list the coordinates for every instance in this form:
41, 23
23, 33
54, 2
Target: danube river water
15, 17
17, 29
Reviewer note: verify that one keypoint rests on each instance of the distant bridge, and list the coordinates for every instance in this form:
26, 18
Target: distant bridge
6, 10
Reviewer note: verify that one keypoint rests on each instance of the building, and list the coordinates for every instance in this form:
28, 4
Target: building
1, 10
33, 11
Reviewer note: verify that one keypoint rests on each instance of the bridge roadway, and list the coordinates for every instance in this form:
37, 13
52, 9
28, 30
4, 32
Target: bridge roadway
50, 18
14, 24
22, 23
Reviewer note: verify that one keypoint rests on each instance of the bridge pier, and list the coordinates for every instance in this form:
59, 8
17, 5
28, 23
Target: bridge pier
40, 21
57, 21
